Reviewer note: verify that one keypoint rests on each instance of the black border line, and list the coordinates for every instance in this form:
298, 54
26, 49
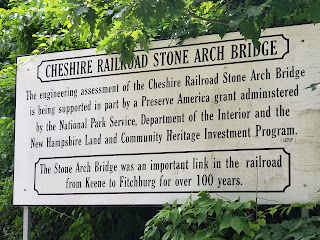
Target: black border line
165, 69
117, 205
160, 153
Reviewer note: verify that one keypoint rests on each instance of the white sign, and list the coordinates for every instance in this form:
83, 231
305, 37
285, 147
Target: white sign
215, 115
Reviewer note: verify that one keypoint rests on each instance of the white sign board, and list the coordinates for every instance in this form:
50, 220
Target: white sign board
215, 115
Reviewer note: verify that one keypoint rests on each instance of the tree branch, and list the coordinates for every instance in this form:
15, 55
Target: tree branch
193, 15
60, 213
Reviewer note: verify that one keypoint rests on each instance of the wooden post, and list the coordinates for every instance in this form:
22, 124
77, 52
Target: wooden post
305, 212
26, 223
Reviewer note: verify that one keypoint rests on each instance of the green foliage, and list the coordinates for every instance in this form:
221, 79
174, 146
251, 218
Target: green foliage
4, 3
45, 26
215, 219
123, 25
6, 147
7, 91
295, 229
206, 218
105, 223
70, 223
7, 105
11, 218
287, 209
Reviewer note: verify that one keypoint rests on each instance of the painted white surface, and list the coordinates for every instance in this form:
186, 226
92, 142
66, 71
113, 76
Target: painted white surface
160, 130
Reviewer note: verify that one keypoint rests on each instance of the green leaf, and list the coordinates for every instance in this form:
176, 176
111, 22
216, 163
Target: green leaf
236, 205
314, 11
217, 209
91, 17
297, 225
189, 220
226, 222
166, 236
260, 213
310, 205
173, 215
247, 205
289, 210
200, 234
175, 203
80, 10
42, 45
201, 217
273, 210
253, 226
261, 222
204, 194
254, 11
268, 20
281, 8
237, 224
